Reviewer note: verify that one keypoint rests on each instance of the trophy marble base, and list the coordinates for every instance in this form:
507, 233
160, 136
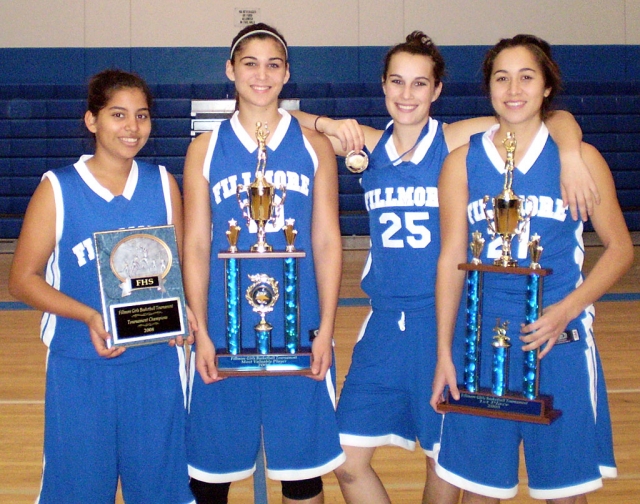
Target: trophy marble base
507, 407
271, 364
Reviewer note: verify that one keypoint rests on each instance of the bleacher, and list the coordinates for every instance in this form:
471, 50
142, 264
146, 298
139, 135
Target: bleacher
41, 128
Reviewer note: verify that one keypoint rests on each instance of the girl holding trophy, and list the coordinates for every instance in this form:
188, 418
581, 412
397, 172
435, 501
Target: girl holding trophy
109, 413
386, 393
569, 457
295, 415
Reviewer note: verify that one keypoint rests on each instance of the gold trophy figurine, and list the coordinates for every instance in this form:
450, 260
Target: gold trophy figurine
476, 246
535, 251
232, 235
290, 234
259, 206
509, 216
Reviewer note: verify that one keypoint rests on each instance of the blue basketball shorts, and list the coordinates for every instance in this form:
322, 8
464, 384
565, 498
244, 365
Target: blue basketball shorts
109, 420
569, 457
295, 415
385, 398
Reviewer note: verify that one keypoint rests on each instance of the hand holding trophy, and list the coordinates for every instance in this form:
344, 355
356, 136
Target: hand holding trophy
508, 220
259, 208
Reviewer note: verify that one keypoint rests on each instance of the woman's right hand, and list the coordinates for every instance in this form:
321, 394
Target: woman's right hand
99, 337
445, 375
347, 131
206, 359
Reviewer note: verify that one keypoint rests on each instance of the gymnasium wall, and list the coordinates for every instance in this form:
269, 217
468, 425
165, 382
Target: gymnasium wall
64, 41
49, 48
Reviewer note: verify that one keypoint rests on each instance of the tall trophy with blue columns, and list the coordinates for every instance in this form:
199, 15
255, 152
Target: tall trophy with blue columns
249, 350
507, 220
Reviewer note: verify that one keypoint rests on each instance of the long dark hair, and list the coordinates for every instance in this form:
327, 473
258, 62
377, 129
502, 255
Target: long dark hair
541, 51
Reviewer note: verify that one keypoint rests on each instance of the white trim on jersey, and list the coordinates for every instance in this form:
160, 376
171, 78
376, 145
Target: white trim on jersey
302, 474
88, 178
608, 471
283, 126
535, 149
182, 371
465, 484
166, 190
587, 319
367, 264
570, 491
420, 150
250, 142
424, 145
375, 441
58, 202
191, 374
220, 478
312, 153
328, 380
52, 275
213, 140
132, 181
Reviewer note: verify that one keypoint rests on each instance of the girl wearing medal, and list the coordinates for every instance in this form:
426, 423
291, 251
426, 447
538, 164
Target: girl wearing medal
385, 399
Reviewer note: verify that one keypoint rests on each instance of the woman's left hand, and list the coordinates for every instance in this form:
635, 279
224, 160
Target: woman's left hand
546, 329
579, 190
193, 327
322, 350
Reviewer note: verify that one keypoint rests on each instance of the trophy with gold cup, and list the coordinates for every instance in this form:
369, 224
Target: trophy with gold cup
254, 353
496, 400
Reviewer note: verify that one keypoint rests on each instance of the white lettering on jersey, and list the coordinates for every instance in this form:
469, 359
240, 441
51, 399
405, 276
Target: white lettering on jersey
226, 188
401, 197
540, 206
84, 251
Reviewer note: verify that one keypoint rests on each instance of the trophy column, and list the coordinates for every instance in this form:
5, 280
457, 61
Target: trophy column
259, 206
509, 220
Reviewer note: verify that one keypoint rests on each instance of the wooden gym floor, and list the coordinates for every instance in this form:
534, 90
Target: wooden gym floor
22, 365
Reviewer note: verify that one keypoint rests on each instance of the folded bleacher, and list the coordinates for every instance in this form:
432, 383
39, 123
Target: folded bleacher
41, 128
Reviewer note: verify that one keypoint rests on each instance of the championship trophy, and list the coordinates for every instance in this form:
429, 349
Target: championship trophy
496, 401
259, 207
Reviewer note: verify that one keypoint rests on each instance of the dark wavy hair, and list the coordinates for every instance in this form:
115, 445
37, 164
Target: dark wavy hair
418, 43
541, 51
103, 85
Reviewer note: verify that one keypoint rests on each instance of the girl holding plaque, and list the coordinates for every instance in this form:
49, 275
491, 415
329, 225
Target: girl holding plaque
569, 457
386, 393
295, 415
109, 413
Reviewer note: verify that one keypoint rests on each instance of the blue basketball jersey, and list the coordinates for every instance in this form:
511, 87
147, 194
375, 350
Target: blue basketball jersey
571, 373
291, 162
537, 180
402, 201
83, 207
